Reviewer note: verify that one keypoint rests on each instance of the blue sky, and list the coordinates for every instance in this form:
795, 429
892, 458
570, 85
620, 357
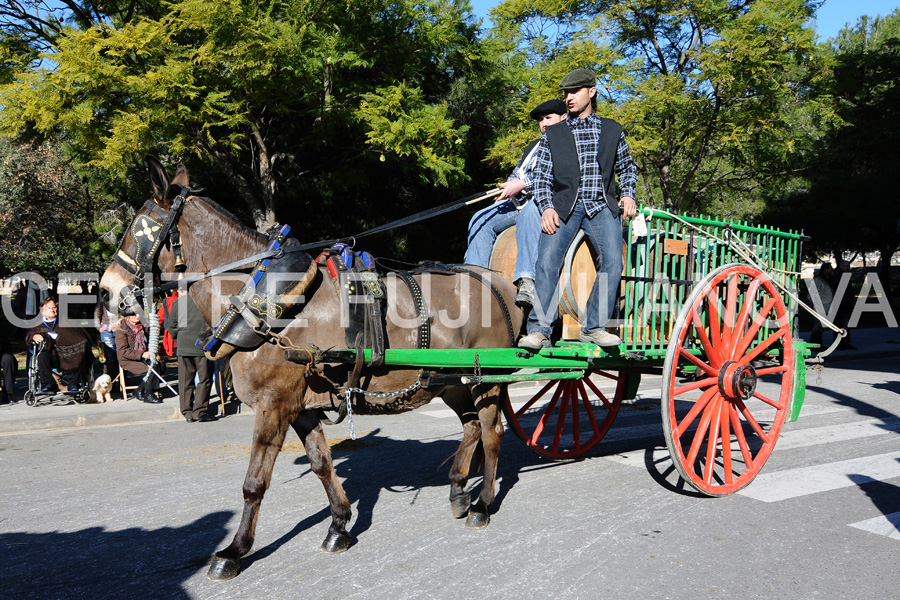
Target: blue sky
831, 17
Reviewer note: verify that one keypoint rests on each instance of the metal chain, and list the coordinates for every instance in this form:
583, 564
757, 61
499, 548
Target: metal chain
285, 343
348, 398
405, 390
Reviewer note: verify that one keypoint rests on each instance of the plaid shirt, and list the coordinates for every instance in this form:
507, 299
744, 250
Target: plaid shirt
590, 191
524, 170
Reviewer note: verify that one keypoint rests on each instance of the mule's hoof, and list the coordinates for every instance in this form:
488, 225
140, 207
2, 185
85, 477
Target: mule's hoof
223, 569
477, 520
460, 505
336, 541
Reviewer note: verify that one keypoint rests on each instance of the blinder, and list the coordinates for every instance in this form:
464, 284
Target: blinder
151, 229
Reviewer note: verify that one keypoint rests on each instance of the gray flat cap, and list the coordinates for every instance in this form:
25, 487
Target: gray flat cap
556, 107
578, 78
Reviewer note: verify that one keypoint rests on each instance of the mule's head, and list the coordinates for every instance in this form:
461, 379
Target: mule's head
131, 276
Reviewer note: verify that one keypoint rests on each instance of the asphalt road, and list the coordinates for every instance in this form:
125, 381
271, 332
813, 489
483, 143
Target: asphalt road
135, 511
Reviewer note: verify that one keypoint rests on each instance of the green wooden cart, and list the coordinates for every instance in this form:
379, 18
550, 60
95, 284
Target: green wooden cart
709, 304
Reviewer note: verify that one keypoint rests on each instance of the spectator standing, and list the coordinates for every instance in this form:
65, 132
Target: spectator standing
222, 379
846, 301
30, 296
109, 322
821, 283
26, 302
8, 367
186, 325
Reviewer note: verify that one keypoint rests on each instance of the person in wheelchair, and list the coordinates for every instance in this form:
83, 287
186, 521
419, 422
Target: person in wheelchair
59, 349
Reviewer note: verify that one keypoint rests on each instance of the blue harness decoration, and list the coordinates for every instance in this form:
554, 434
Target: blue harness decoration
273, 288
362, 295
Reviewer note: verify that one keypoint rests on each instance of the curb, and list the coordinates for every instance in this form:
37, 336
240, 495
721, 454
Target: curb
87, 419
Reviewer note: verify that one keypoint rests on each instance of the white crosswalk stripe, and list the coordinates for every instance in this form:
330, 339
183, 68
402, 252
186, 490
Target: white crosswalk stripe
886, 525
837, 433
792, 483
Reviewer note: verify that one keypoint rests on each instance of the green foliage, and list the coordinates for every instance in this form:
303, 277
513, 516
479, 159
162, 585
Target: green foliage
48, 219
398, 120
338, 116
701, 86
849, 202
267, 100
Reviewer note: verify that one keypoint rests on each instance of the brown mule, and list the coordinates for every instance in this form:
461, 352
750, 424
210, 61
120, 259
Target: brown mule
463, 313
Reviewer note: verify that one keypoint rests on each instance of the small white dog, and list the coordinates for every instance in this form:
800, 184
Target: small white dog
102, 388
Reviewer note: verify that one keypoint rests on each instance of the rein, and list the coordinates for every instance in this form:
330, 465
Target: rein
140, 265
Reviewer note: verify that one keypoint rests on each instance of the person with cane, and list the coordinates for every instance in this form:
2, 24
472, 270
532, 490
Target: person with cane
132, 350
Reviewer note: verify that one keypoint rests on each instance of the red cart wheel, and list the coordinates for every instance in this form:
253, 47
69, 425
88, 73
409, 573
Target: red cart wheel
566, 418
721, 427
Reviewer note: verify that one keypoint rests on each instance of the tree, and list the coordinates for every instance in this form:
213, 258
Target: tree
48, 218
704, 88
293, 103
850, 202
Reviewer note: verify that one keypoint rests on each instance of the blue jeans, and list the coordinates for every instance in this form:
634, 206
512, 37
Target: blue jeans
108, 338
490, 222
605, 234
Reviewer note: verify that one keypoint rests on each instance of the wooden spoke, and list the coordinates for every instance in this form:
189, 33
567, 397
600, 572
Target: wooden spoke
701, 383
695, 410
535, 398
709, 369
755, 325
715, 358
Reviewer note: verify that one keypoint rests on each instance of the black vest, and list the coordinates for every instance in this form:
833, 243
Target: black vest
567, 170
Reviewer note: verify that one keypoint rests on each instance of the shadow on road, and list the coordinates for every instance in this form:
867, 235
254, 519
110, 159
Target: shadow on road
885, 496
374, 464
103, 563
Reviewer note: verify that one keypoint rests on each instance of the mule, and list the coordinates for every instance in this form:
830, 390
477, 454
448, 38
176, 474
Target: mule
285, 394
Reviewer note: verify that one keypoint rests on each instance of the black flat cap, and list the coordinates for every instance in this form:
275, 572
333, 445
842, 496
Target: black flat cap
578, 78
556, 107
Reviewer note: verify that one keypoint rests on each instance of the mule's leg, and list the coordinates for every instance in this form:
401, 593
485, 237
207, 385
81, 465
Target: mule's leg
488, 404
460, 400
268, 436
309, 429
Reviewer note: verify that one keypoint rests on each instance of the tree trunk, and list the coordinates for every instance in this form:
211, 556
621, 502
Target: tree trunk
263, 212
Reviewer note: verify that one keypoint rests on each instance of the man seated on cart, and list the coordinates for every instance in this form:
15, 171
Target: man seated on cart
574, 189
65, 350
513, 208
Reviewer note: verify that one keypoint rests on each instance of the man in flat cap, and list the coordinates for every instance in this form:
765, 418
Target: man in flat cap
574, 188
512, 208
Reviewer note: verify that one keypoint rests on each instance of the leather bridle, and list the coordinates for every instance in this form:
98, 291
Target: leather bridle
152, 228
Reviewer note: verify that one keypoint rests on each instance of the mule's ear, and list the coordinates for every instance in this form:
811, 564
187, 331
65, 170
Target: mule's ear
181, 176
158, 178
181, 179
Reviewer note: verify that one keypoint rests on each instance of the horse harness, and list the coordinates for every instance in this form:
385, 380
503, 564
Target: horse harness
252, 318
312, 355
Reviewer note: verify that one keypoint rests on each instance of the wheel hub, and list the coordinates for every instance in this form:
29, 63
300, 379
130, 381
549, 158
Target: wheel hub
737, 381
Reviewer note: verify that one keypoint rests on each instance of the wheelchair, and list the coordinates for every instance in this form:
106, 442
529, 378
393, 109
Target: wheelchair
63, 379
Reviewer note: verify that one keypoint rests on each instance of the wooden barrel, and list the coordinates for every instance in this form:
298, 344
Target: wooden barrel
578, 271
503, 256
